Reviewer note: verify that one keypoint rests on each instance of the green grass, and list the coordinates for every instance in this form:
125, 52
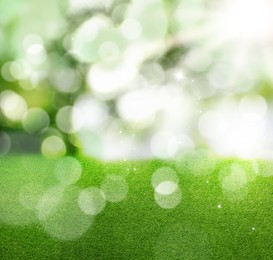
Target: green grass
219, 217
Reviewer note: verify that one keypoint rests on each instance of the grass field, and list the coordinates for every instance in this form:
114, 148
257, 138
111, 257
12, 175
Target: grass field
197, 207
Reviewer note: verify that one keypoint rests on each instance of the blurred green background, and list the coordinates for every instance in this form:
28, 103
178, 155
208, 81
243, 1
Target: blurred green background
180, 81
121, 79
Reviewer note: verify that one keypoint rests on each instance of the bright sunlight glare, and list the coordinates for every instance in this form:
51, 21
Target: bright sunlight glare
247, 20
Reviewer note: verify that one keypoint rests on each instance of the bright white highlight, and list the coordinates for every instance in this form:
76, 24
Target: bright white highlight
164, 180
65, 119
93, 113
107, 80
247, 20
166, 187
53, 147
236, 128
12, 105
137, 108
169, 201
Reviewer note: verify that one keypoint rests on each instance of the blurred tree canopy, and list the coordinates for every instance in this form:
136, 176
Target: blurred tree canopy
121, 75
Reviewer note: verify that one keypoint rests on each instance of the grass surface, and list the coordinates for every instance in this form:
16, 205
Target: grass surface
226, 211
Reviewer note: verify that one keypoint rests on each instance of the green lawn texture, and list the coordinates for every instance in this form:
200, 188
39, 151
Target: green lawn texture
220, 215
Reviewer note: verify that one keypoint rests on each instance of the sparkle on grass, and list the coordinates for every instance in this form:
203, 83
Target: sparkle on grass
219, 206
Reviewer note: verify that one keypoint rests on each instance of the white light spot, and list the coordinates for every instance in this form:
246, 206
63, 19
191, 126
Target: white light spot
227, 127
92, 201
137, 108
235, 20
68, 170
64, 119
34, 49
49, 202
53, 147
166, 177
115, 188
93, 112
36, 54
108, 80
32, 39
166, 187
168, 201
12, 105
85, 43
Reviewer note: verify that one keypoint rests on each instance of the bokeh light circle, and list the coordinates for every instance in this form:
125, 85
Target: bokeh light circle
115, 188
35, 120
12, 105
92, 201
67, 221
68, 170
64, 119
163, 175
166, 187
168, 201
53, 147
